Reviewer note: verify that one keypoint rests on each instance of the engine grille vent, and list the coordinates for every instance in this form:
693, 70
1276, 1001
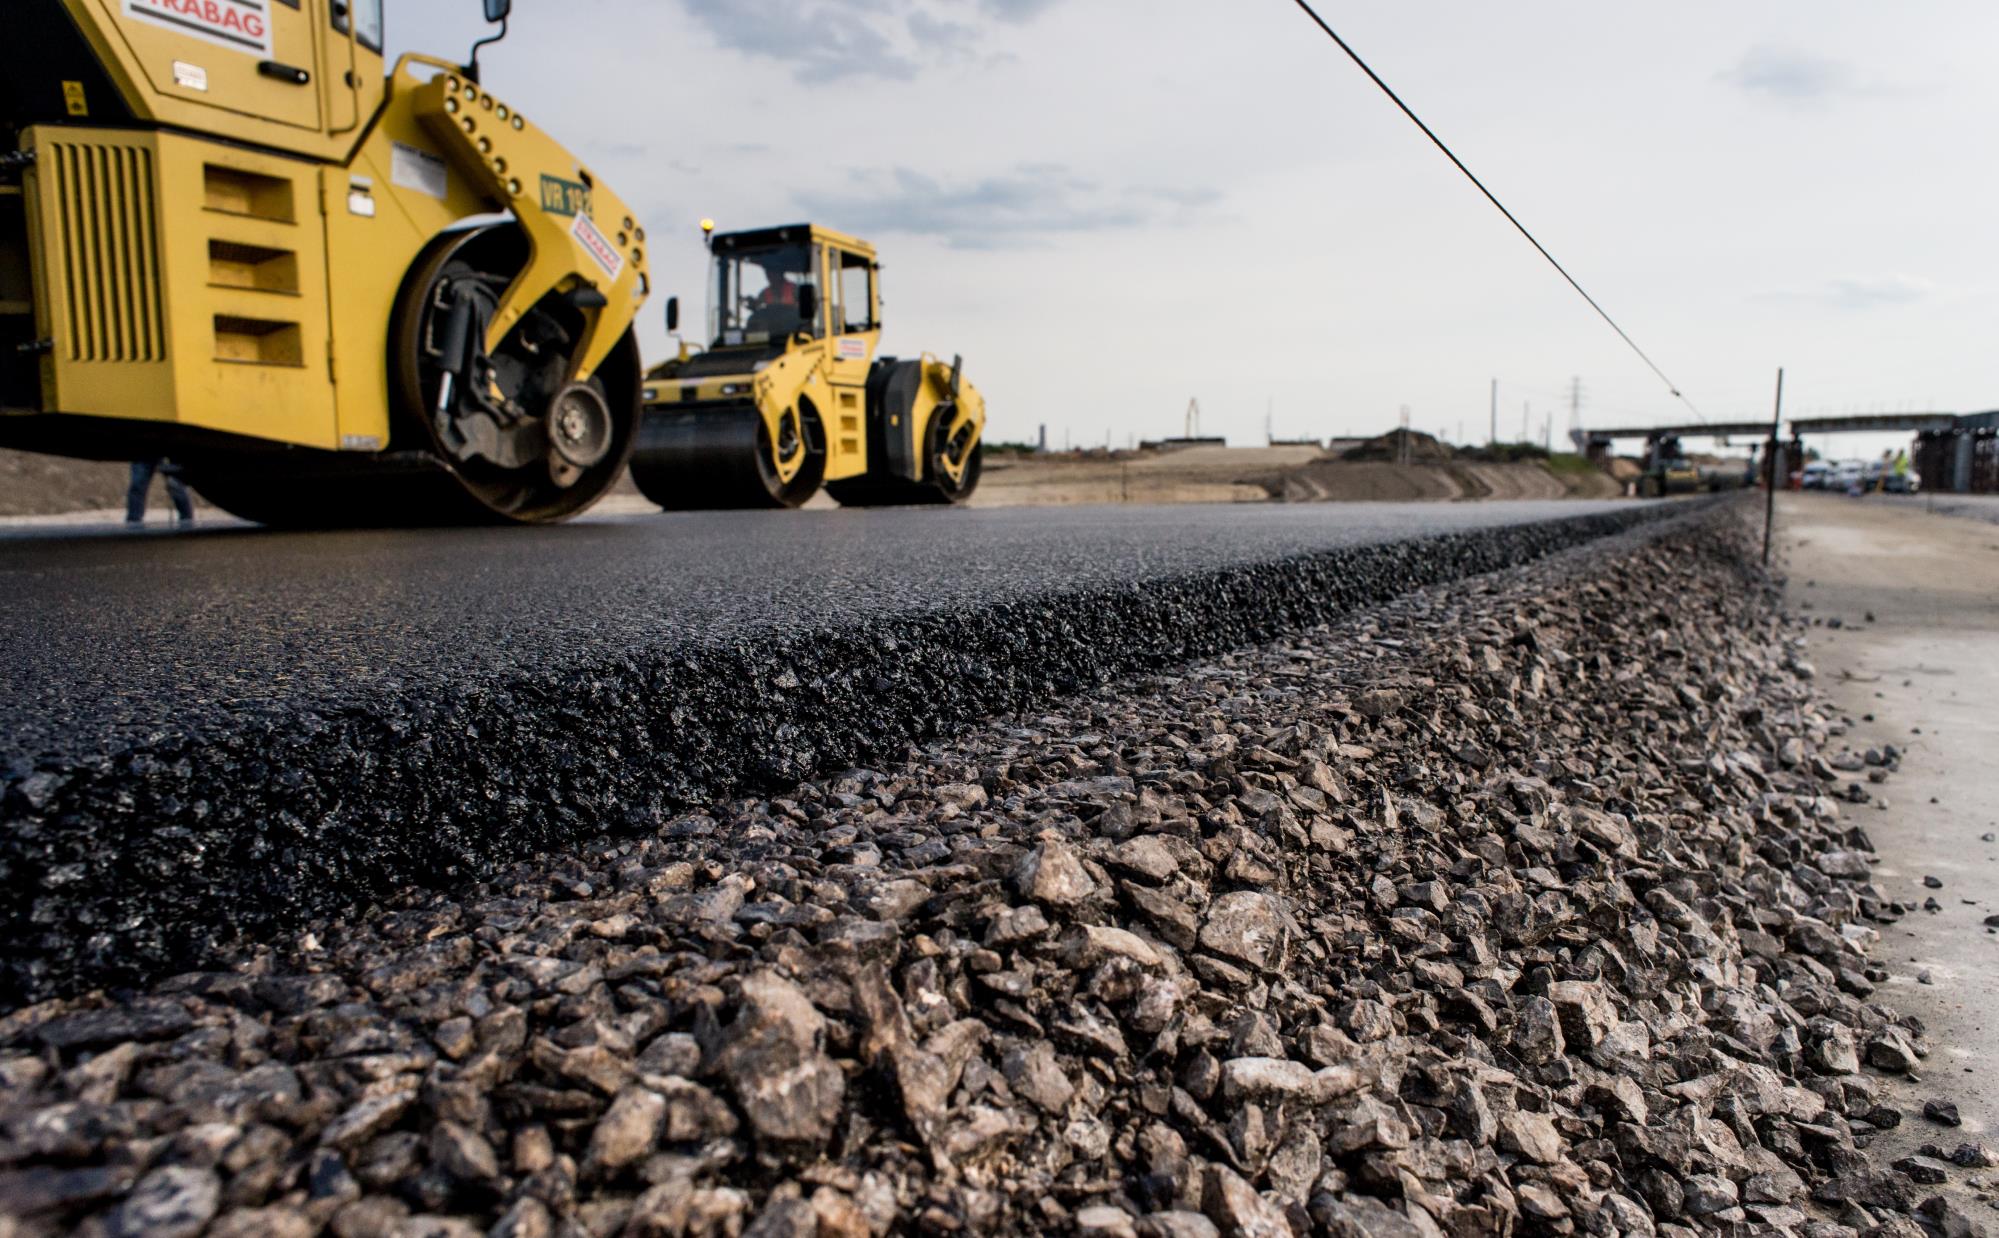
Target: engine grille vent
109, 240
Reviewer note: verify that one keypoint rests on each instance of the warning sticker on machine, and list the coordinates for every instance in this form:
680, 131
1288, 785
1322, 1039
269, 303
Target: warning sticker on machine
417, 169
242, 24
597, 245
853, 346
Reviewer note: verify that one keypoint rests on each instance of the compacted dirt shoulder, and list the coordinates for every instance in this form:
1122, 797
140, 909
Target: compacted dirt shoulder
1515, 906
33, 484
1254, 475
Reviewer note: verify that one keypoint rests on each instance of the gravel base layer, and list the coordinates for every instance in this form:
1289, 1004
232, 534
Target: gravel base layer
123, 867
1523, 905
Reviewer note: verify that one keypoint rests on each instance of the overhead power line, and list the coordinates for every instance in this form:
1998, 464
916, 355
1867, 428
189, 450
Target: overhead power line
1492, 198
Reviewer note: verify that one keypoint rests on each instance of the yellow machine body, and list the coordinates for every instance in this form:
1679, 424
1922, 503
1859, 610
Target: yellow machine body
810, 399
210, 224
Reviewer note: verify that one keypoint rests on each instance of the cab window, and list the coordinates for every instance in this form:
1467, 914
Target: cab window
856, 291
756, 293
367, 18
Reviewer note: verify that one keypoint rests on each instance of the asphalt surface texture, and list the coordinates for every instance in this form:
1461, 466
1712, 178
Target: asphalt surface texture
209, 737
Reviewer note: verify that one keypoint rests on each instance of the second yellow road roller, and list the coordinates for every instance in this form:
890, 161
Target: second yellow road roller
789, 396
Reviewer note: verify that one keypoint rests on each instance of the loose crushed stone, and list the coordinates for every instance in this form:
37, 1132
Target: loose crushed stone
126, 865
1521, 905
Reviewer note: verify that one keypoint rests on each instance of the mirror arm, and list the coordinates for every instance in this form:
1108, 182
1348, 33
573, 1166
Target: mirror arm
472, 69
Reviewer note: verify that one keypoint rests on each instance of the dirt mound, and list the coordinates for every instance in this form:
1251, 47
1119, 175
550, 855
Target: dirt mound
1186, 475
36, 485
1405, 446
1344, 479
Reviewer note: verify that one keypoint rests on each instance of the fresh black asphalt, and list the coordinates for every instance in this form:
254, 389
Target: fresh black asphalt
209, 738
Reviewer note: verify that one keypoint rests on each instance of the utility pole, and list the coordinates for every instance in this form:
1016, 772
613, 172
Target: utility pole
1575, 400
1526, 416
1770, 468
1495, 413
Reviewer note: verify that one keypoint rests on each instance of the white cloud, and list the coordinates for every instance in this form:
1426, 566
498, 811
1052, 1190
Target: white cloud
831, 40
1864, 294
1793, 76
1023, 206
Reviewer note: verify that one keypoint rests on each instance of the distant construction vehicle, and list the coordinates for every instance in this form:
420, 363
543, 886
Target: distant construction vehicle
1667, 470
789, 396
227, 237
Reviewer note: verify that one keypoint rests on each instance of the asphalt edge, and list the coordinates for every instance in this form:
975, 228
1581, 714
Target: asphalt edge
157, 858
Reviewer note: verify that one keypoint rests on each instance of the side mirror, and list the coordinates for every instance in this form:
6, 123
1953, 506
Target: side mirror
673, 313
808, 304
496, 11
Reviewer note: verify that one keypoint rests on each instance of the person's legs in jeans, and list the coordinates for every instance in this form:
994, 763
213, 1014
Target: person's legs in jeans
135, 494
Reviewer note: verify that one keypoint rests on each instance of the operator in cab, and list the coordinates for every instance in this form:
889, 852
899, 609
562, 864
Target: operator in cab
775, 309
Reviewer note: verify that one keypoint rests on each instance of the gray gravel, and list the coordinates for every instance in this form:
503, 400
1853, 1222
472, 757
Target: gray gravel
234, 732
1524, 905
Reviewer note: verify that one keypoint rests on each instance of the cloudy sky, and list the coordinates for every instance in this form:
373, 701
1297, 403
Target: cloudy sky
1111, 207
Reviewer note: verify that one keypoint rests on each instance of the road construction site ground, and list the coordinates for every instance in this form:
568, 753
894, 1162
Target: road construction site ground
211, 735
1914, 661
1258, 474
1514, 905
44, 490
110, 635
1969, 506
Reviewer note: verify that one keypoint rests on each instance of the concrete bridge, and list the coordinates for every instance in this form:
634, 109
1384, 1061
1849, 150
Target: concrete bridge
1954, 451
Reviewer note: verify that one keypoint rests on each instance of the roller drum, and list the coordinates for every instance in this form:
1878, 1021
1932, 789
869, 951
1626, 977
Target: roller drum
715, 457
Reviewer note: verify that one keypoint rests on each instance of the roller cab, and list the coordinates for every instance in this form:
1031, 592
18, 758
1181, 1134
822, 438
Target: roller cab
789, 396
333, 294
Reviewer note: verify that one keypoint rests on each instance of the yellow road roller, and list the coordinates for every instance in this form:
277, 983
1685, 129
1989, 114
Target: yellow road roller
334, 295
789, 395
